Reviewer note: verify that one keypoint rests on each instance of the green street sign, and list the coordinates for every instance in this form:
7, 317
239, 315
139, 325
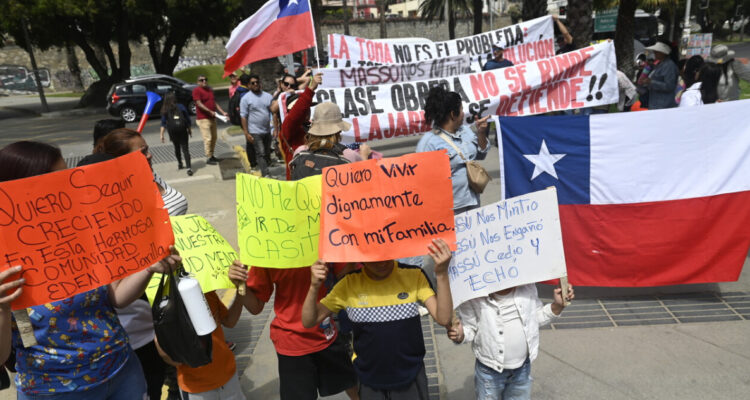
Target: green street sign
605, 21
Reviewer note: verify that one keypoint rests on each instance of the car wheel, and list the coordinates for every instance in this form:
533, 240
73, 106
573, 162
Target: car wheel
128, 114
191, 107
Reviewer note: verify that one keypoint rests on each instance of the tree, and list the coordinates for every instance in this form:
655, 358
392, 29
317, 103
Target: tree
430, 10
533, 9
168, 25
580, 22
381, 17
102, 26
624, 36
476, 6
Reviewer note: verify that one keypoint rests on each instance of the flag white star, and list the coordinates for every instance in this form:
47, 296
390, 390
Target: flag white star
544, 161
292, 2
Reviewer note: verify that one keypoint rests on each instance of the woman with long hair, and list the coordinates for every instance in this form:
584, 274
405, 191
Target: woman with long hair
175, 119
68, 362
706, 89
688, 74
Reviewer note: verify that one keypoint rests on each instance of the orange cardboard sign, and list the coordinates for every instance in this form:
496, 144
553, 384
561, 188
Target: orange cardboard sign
77, 229
378, 210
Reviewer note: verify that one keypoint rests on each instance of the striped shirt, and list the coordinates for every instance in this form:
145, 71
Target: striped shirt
175, 202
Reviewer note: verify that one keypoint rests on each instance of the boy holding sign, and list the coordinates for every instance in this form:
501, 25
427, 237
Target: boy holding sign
504, 330
381, 301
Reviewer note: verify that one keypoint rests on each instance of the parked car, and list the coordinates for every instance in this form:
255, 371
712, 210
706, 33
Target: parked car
128, 99
161, 77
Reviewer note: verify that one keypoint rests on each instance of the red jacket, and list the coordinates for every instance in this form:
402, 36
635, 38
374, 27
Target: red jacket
292, 132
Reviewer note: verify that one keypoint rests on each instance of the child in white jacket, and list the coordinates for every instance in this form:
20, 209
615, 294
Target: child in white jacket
504, 330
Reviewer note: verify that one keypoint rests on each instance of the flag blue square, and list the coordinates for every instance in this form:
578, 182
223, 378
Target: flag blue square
537, 148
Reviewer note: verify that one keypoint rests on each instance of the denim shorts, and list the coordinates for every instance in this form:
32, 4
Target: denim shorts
511, 384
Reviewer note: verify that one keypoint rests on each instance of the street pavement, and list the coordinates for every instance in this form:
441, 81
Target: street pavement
677, 342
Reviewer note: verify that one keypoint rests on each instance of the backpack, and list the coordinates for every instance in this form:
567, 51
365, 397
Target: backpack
234, 106
177, 125
307, 163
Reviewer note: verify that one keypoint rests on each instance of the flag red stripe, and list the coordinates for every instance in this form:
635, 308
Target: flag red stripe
284, 36
695, 240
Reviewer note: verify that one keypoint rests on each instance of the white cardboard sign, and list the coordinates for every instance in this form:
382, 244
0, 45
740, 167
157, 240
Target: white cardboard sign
506, 244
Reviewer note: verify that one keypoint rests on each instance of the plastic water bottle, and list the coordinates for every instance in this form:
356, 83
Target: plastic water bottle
327, 328
196, 305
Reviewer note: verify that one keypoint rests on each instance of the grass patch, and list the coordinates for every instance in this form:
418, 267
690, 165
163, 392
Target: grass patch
744, 89
212, 72
75, 95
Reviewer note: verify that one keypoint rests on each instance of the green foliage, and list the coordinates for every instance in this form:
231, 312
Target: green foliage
212, 72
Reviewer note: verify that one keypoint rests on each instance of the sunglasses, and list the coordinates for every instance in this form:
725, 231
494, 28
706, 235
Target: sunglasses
286, 83
202, 80
254, 82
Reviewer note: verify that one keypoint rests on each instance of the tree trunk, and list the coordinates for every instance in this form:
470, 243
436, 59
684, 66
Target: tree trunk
346, 18
477, 8
451, 24
624, 37
580, 11
381, 17
123, 46
75, 69
533, 9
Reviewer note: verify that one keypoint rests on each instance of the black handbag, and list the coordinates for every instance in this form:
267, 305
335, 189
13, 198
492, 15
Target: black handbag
173, 328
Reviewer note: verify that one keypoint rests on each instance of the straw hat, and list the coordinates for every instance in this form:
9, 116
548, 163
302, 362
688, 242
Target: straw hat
721, 54
660, 47
328, 120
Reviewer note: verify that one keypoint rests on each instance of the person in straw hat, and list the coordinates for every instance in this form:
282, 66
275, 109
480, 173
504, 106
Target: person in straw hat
662, 80
323, 146
732, 71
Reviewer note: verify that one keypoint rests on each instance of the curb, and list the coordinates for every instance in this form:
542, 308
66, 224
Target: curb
76, 112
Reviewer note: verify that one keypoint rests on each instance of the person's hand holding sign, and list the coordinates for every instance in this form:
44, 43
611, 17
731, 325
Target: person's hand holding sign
7, 286
239, 275
441, 254
440, 306
559, 304
318, 273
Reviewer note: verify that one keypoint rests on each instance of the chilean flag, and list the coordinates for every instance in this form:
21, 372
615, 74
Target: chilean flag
279, 27
646, 199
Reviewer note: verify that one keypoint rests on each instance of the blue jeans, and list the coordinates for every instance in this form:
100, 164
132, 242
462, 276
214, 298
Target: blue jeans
127, 384
511, 384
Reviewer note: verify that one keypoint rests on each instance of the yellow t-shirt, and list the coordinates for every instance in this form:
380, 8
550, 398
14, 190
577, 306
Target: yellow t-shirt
386, 323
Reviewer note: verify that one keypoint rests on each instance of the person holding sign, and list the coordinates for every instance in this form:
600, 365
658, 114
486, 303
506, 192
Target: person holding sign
381, 300
312, 360
81, 349
503, 329
297, 121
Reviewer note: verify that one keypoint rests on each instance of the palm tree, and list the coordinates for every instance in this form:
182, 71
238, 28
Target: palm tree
582, 22
381, 16
436, 9
533, 9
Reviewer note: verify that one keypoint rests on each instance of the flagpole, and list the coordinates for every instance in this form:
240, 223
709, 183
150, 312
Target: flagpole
312, 23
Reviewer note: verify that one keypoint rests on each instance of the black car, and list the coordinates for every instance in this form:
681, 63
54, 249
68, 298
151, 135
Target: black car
128, 99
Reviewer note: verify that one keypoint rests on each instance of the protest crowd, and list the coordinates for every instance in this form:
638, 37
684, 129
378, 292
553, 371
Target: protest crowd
348, 298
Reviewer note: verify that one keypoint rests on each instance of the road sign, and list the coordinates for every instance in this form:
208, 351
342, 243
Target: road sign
605, 21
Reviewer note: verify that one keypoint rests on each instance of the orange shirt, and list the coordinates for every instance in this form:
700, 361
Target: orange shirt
222, 366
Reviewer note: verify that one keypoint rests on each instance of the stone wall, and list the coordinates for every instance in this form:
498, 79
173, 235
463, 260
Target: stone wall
16, 75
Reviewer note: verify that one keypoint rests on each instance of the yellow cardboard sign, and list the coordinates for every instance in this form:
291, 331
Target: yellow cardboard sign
205, 254
278, 222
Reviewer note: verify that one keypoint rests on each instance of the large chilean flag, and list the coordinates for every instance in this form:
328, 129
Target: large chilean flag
646, 199
279, 27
